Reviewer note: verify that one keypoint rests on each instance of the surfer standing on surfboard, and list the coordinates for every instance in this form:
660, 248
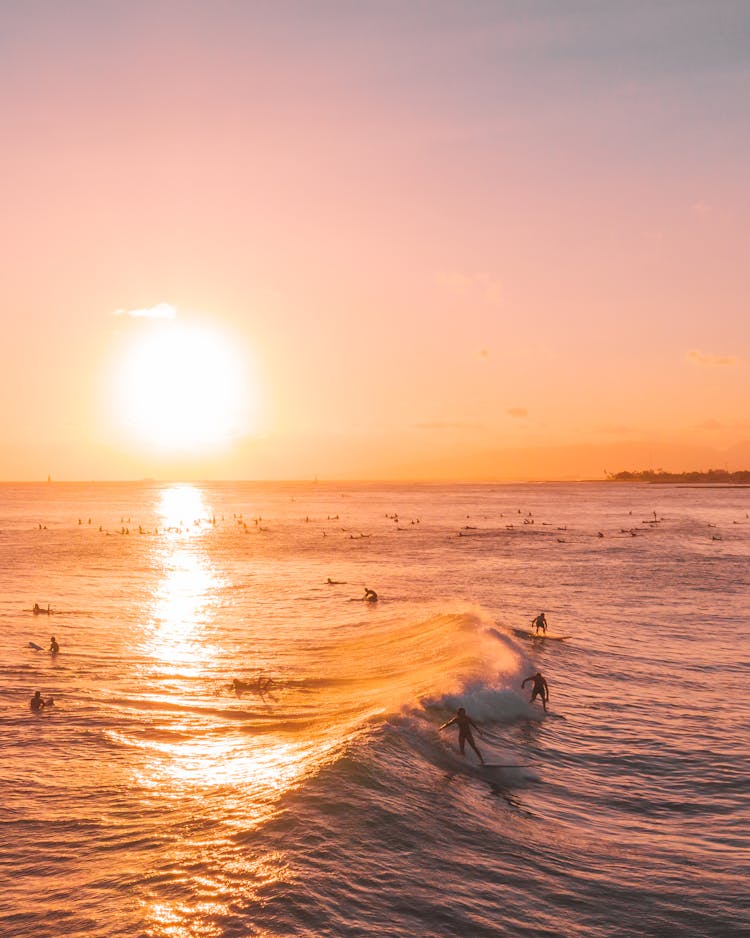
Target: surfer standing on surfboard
538, 689
540, 622
464, 723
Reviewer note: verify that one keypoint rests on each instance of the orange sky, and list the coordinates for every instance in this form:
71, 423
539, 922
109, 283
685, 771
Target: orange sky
394, 240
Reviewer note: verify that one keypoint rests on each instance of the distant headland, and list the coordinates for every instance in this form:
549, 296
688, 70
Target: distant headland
715, 476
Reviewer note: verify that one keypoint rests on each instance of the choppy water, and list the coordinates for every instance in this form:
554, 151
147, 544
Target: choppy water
154, 799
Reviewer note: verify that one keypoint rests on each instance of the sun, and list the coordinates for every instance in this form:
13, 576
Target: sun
184, 387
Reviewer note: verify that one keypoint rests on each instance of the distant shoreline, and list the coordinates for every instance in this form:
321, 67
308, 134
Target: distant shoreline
741, 478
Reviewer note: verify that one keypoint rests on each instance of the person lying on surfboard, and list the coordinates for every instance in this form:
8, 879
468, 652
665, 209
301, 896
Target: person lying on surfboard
540, 622
538, 689
464, 723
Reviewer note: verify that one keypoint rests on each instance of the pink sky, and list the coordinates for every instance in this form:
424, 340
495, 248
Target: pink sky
442, 240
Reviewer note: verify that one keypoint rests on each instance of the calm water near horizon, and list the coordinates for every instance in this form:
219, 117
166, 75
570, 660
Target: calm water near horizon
157, 798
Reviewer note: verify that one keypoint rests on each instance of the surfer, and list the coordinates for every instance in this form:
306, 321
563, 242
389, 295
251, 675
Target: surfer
464, 723
260, 685
37, 702
370, 596
38, 611
538, 689
53, 646
540, 623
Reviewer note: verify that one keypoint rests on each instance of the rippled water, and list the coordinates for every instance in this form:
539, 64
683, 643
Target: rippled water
157, 798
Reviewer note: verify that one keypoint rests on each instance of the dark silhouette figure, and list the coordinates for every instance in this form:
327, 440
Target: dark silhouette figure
370, 596
53, 646
261, 685
464, 723
538, 689
540, 623
38, 703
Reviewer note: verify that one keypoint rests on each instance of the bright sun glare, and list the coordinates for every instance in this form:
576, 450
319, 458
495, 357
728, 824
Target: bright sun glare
184, 387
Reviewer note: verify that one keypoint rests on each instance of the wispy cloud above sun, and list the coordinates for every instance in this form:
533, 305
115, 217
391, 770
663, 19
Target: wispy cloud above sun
160, 311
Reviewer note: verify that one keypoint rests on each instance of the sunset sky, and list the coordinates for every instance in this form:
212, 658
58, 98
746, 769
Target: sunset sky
477, 240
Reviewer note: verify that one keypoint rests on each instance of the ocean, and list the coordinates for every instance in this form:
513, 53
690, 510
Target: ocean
239, 747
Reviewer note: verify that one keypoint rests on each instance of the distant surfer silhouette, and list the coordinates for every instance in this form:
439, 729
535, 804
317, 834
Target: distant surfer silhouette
464, 723
53, 646
260, 685
540, 623
370, 596
38, 611
38, 703
539, 688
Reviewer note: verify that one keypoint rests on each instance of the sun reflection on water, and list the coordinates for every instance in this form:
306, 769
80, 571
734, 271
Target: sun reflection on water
187, 589
205, 754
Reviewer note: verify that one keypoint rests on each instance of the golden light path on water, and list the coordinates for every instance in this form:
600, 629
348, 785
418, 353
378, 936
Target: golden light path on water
185, 770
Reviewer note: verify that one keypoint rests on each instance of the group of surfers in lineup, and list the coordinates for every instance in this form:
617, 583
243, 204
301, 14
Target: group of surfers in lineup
465, 724
539, 686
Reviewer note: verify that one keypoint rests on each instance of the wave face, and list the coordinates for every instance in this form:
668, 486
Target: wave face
240, 745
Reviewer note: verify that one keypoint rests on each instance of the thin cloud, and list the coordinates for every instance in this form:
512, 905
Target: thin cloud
160, 311
710, 424
517, 412
701, 358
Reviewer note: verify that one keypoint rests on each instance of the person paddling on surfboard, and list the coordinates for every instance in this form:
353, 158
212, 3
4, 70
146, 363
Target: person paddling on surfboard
540, 623
370, 596
464, 723
538, 689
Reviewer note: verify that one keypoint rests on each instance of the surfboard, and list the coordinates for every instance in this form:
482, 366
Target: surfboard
35, 646
504, 765
526, 633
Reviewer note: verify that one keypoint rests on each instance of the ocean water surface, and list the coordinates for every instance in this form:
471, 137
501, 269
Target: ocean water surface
239, 747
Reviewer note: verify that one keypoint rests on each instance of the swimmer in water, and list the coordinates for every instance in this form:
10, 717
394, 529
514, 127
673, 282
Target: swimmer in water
464, 723
540, 623
38, 703
53, 646
538, 689
370, 596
